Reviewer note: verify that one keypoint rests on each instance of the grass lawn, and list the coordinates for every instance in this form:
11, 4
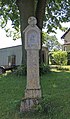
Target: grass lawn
56, 91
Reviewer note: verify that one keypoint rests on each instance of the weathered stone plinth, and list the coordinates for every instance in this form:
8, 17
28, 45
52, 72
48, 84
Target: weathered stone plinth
28, 104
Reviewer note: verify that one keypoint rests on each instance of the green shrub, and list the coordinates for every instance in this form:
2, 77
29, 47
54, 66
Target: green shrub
68, 58
44, 68
21, 70
58, 57
43, 106
62, 68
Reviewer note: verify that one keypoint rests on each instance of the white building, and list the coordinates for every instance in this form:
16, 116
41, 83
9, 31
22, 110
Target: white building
13, 55
66, 37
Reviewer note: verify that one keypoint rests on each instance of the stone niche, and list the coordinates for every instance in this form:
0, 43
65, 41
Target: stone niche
32, 37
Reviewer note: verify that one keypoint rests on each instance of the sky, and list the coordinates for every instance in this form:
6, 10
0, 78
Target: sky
9, 42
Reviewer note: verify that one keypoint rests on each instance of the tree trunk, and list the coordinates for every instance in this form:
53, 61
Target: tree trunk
26, 9
40, 12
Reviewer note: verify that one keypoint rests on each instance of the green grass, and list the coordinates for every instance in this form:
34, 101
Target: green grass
55, 89
11, 92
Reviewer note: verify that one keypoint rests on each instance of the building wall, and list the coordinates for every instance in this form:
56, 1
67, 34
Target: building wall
17, 51
66, 45
68, 48
67, 38
6, 52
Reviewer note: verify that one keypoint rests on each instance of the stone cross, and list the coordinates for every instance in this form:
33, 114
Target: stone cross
32, 46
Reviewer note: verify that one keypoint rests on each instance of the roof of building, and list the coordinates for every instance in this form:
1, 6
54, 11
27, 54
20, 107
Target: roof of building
10, 47
65, 34
67, 43
20, 46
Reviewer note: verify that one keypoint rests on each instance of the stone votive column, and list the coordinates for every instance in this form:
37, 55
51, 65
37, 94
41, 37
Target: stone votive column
32, 46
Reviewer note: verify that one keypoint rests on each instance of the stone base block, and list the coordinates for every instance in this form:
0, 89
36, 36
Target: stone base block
28, 104
33, 93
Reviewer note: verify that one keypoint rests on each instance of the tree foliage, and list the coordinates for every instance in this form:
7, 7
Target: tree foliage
51, 42
9, 11
56, 11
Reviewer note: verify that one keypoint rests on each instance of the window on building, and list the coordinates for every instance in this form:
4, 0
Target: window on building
64, 48
43, 57
11, 60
